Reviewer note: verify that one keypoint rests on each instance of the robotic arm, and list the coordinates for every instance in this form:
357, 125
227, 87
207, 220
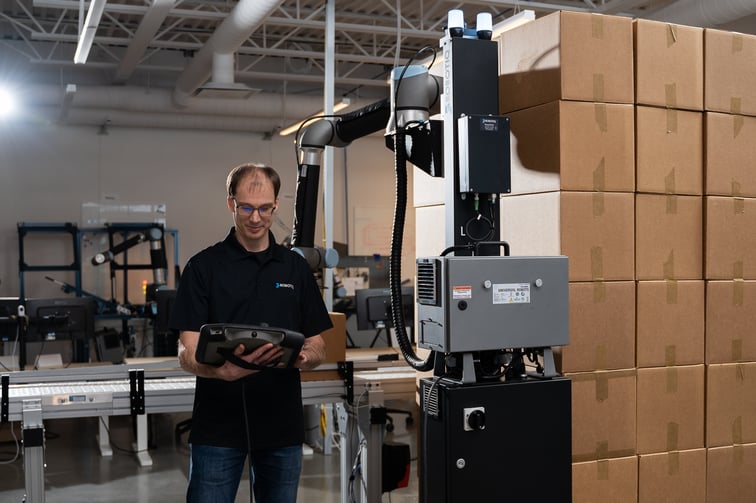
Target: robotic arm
414, 93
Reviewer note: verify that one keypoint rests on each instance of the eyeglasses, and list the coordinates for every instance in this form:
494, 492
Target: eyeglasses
247, 210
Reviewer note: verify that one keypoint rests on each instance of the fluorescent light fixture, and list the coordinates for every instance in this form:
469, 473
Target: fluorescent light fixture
294, 127
519, 19
86, 37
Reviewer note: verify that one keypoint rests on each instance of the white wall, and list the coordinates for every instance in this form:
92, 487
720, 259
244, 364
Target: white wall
48, 171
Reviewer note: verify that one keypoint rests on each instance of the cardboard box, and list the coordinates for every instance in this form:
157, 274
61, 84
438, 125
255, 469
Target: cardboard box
335, 339
669, 151
668, 237
730, 151
571, 145
729, 474
730, 238
729, 72
614, 480
594, 229
672, 477
566, 55
603, 414
669, 65
602, 327
730, 404
670, 323
670, 408
730, 318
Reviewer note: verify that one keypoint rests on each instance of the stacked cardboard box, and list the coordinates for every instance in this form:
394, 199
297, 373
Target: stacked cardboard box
669, 262
574, 194
730, 264
567, 86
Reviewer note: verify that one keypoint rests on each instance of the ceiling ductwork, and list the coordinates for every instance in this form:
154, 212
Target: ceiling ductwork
705, 13
130, 106
240, 23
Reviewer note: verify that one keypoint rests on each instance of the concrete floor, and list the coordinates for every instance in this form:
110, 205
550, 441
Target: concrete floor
76, 472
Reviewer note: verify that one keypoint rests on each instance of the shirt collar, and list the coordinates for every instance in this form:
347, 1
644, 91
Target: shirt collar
237, 252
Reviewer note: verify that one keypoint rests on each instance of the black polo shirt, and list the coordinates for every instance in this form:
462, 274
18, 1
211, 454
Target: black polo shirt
227, 284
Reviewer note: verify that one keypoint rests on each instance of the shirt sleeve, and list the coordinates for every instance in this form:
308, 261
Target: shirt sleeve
190, 309
314, 312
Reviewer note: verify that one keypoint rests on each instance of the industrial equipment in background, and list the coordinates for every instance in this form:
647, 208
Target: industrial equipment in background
496, 416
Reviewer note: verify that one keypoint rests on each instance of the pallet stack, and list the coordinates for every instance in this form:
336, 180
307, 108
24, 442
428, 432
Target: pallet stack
610, 121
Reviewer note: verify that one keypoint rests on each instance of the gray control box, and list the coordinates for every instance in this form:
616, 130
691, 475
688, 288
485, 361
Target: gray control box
486, 303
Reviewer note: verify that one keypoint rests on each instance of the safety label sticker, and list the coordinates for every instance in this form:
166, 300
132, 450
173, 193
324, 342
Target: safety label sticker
461, 292
511, 293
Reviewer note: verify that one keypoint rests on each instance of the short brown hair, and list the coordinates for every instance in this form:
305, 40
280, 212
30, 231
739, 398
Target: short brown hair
242, 170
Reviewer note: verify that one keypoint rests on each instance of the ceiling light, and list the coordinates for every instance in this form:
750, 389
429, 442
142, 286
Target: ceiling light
7, 103
294, 127
86, 37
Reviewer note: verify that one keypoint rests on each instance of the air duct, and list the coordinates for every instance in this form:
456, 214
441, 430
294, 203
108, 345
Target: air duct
240, 23
705, 13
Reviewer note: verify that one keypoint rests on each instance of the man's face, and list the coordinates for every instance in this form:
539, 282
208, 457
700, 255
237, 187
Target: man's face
253, 208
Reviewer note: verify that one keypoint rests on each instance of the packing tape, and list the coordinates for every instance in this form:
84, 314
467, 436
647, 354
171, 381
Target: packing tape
738, 121
602, 386
672, 379
599, 292
598, 204
598, 87
738, 454
736, 105
602, 469
737, 350
671, 291
737, 430
670, 204
599, 176
737, 42
673, 434
669, 182
668, 267
670, 355
738, 291
671, 35
670, 100
597, 26
740, 373
671, 120
601, 357
738, 205
601, 115
673, 463
597, 263
602, 449
737, 270
735, 188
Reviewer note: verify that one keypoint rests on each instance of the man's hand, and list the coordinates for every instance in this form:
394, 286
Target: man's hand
312, 353
266, 355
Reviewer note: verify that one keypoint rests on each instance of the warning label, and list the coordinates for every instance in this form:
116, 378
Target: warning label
511, 293
462, 292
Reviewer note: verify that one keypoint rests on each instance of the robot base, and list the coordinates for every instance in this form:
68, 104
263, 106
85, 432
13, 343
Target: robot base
502, 441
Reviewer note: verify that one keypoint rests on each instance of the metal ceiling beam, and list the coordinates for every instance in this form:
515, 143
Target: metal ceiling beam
151, 22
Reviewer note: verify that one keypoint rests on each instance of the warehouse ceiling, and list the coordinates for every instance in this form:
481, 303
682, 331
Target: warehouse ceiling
151, 60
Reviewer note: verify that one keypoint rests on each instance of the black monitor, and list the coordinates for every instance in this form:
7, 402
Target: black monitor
8, 320
69, 319
373, 306
165, 342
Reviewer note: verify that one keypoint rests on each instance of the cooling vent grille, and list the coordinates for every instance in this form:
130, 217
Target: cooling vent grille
428, 281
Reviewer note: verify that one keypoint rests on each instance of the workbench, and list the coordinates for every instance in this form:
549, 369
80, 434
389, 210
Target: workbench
140, 387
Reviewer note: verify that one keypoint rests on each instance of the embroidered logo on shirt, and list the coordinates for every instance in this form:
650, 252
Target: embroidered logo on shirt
285, 285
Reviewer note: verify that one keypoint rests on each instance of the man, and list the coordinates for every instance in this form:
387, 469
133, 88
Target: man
248, 279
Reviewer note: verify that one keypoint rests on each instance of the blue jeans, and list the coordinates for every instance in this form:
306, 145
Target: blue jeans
215, 473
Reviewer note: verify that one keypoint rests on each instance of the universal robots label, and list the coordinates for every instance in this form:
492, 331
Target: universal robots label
511, 293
